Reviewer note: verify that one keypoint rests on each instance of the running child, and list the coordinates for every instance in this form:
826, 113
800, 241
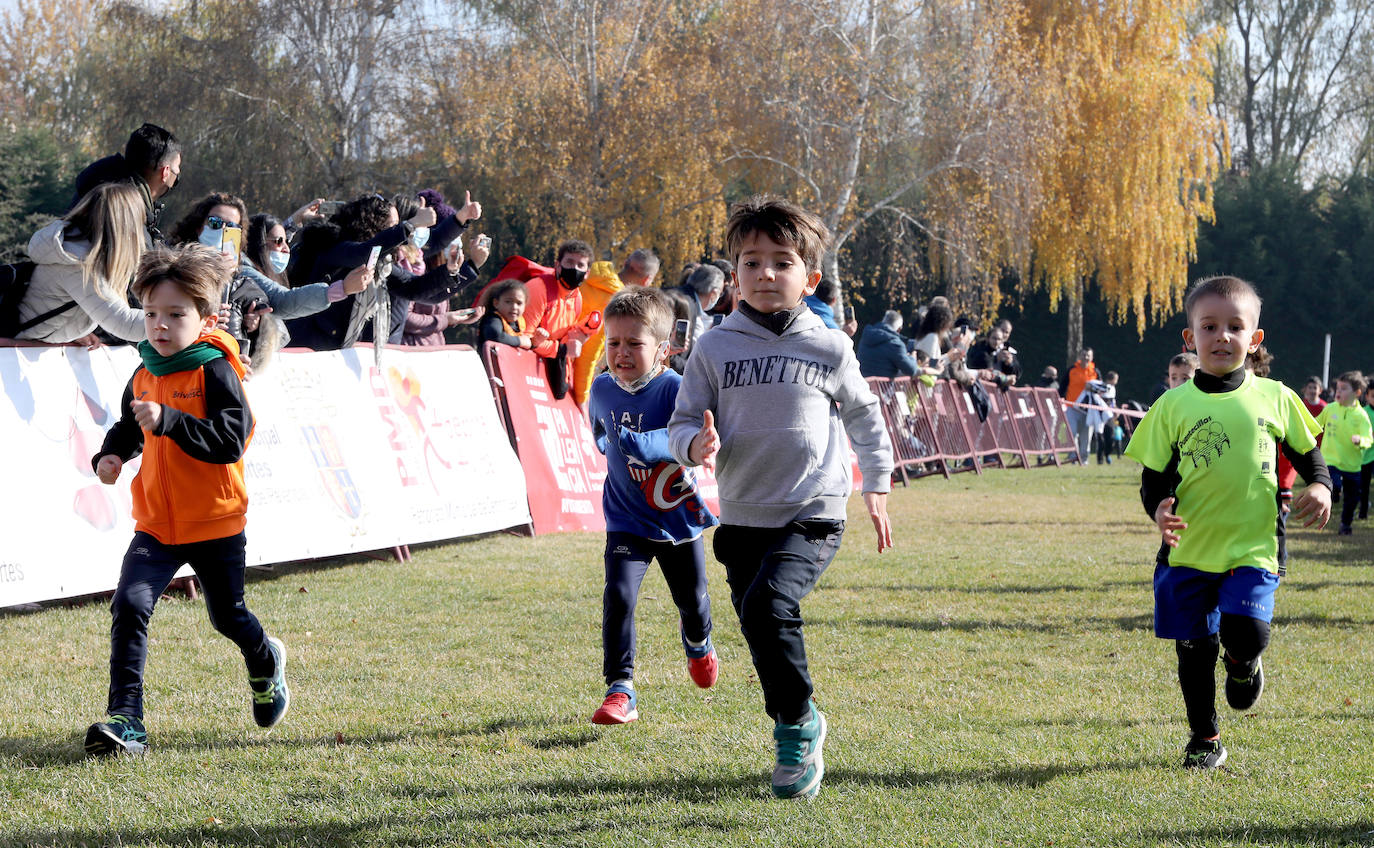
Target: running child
1367, 470
652, 506
768, 397
1346, 434
1209, 450
1181, 368
185, 411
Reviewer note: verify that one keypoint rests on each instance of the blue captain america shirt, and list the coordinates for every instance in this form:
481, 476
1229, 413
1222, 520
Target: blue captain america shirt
647, 493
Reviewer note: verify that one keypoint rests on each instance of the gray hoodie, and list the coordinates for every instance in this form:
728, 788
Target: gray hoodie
57, 280
782, 405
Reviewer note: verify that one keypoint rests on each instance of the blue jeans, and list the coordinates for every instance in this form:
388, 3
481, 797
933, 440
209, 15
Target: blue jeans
148, 567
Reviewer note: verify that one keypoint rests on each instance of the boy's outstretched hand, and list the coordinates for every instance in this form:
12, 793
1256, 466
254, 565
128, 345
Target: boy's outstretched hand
108, 468
706, 442
147, 414
1313, 505
882, 525
1168, 523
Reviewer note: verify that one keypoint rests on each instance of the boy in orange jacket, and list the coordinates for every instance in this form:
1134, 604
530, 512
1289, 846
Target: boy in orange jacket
186, 412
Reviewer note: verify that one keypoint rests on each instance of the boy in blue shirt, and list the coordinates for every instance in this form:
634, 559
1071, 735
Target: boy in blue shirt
1210, 451
652, 506
785, 390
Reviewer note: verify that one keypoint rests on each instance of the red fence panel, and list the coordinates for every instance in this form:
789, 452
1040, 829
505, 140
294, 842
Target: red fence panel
951, 430
1022, 407
564, 472
1051, 410
914, 449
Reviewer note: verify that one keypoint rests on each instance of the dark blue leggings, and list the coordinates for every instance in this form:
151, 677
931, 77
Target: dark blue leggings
627, 560
148, 567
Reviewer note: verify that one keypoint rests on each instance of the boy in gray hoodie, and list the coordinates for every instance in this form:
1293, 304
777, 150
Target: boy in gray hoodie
766, 400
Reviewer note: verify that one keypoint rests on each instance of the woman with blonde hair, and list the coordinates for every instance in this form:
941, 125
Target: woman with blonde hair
84, 264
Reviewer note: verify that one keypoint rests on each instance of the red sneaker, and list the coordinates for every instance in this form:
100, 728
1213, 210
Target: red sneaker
704, 670
618, 708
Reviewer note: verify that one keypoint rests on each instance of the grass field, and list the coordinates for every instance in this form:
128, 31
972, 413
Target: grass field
992, 681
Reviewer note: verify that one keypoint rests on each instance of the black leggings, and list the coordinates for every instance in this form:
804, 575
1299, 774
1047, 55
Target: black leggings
1245, 639
148, 567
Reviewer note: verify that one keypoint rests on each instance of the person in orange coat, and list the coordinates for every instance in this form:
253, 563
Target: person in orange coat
185, 411
640, 269
1082, 371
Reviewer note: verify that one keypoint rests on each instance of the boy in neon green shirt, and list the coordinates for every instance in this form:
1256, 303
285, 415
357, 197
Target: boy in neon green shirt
1347, 434
1210, 452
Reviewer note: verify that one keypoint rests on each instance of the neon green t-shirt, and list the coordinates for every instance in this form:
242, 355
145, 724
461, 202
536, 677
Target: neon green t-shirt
1369, 452
1225, 449
1339, 423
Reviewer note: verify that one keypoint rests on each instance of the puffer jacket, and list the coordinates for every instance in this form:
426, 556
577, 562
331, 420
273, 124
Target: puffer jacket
58, 280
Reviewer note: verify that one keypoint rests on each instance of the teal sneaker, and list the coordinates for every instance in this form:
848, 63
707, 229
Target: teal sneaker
271, 697
120, 735
800, 767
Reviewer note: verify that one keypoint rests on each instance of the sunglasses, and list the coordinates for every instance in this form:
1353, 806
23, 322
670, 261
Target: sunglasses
215, 222
279, 241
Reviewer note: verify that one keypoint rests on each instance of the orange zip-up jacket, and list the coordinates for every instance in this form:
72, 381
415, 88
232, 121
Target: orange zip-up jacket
190, 487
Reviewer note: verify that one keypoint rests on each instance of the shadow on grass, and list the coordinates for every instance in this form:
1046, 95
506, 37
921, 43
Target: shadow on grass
34, 752
1143, 621
1308, 833
341, 833
1026, 776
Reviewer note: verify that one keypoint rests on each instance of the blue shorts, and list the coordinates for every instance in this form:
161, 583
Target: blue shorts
1189, 603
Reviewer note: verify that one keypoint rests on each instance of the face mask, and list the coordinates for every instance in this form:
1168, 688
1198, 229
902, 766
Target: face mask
278, 260
643, 380
211, 238
420, 237
572, 277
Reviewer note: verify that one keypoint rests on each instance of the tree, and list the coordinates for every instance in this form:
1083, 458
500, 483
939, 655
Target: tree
1292, 81
908, 113
40, 81
35, 186
599, 119
1133, 170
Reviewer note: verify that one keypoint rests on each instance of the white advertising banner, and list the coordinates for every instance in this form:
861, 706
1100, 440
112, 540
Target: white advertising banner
345, 457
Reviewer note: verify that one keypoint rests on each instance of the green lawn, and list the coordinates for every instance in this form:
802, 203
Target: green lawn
992, 681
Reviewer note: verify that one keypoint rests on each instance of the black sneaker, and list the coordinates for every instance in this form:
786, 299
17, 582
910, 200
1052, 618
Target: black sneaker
1344, 530
271, 697
120, 735
1204, 754
1243, 692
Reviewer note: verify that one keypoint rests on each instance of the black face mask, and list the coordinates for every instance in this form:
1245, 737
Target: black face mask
572, 277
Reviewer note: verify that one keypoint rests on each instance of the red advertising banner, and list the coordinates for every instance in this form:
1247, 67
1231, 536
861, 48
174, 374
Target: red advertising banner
564, 472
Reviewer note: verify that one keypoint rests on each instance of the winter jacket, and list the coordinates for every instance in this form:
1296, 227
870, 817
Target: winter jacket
58, 280
190, 486
601, 285
882, 353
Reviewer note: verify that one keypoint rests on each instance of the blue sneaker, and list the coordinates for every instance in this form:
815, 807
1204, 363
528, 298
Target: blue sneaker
271, 697
800, 767
120, 735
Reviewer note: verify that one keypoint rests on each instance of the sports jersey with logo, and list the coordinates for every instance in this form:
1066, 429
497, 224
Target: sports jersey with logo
647, 493
1224, 448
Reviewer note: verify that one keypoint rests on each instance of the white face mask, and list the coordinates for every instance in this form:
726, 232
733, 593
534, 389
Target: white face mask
420, 237
278, 260
647, 377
